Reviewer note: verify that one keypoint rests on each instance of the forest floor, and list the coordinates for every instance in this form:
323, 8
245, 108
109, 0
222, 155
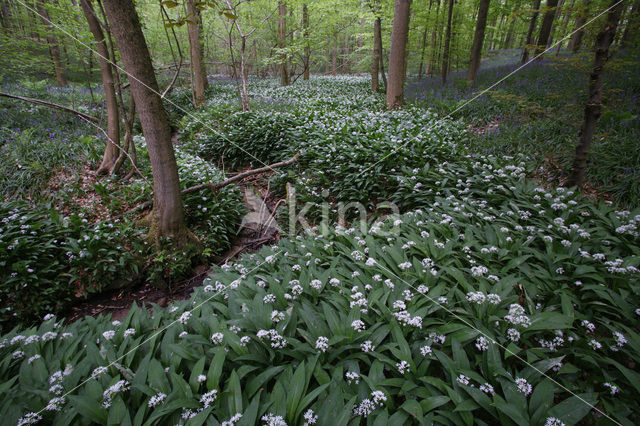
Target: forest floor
454, 288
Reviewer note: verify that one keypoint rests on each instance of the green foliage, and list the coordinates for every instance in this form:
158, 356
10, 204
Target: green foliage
46, 259
491, 300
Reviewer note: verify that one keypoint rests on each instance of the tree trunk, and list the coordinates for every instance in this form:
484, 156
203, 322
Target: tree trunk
198, 72
432, 55
565, 24
576, 38
447, 41
377, 53
553, 26
593, 105
631, 29
478, 39
532, 27
399, 35
307, 48
334, 55
167, 218
424, 40
113, 120
6, 15
52, 42
282, 36
545, 28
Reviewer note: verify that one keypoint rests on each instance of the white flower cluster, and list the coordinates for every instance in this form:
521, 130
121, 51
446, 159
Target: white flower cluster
322, 344
107, 395
277, 341
367, 406
517, 316
352, 376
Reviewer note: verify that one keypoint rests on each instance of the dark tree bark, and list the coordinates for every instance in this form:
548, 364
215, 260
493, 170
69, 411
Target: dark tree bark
593, 105
307, 48
545, 28
565, 25
399, 35
377, 54
478, 39
553, 25
631, 29
432, 55
447, 42
424, 41
576, 39
52, 42
167, 219
334, 55
382, 72
6, 15
282, 36
198, 71
113, 118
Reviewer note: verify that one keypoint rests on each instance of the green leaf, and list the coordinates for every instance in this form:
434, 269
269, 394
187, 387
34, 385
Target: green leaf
215, 369
573, 409
295, 391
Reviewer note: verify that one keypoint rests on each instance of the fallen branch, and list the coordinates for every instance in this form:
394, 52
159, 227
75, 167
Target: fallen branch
239, 176
51, 105
218, 185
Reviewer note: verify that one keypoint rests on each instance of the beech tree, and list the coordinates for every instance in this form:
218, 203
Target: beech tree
593, 105
198, 69
282, 34
447, 43
478, 39
532, 26
167, 216
576, 38
399, 34
113, 117
307, 47
52, 42
545, 28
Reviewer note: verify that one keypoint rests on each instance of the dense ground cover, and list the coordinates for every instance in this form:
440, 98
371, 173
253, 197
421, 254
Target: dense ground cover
539, 110
487, 300
62, 233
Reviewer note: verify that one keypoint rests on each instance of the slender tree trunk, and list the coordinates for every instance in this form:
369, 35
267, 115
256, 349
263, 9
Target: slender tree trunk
593, 106
545, 28
282, 36
399, 35
6, 14
447, 41
553, 25
113, 119
307, 48
167, 218
334, 55
198, 73
478, 39
565, 24
382, 72
424, 40
631, 29
377, 53
576, 38
432, 55
532, 27
52, 42
509, 36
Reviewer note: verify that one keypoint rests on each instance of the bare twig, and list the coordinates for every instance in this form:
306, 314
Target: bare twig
52, 105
